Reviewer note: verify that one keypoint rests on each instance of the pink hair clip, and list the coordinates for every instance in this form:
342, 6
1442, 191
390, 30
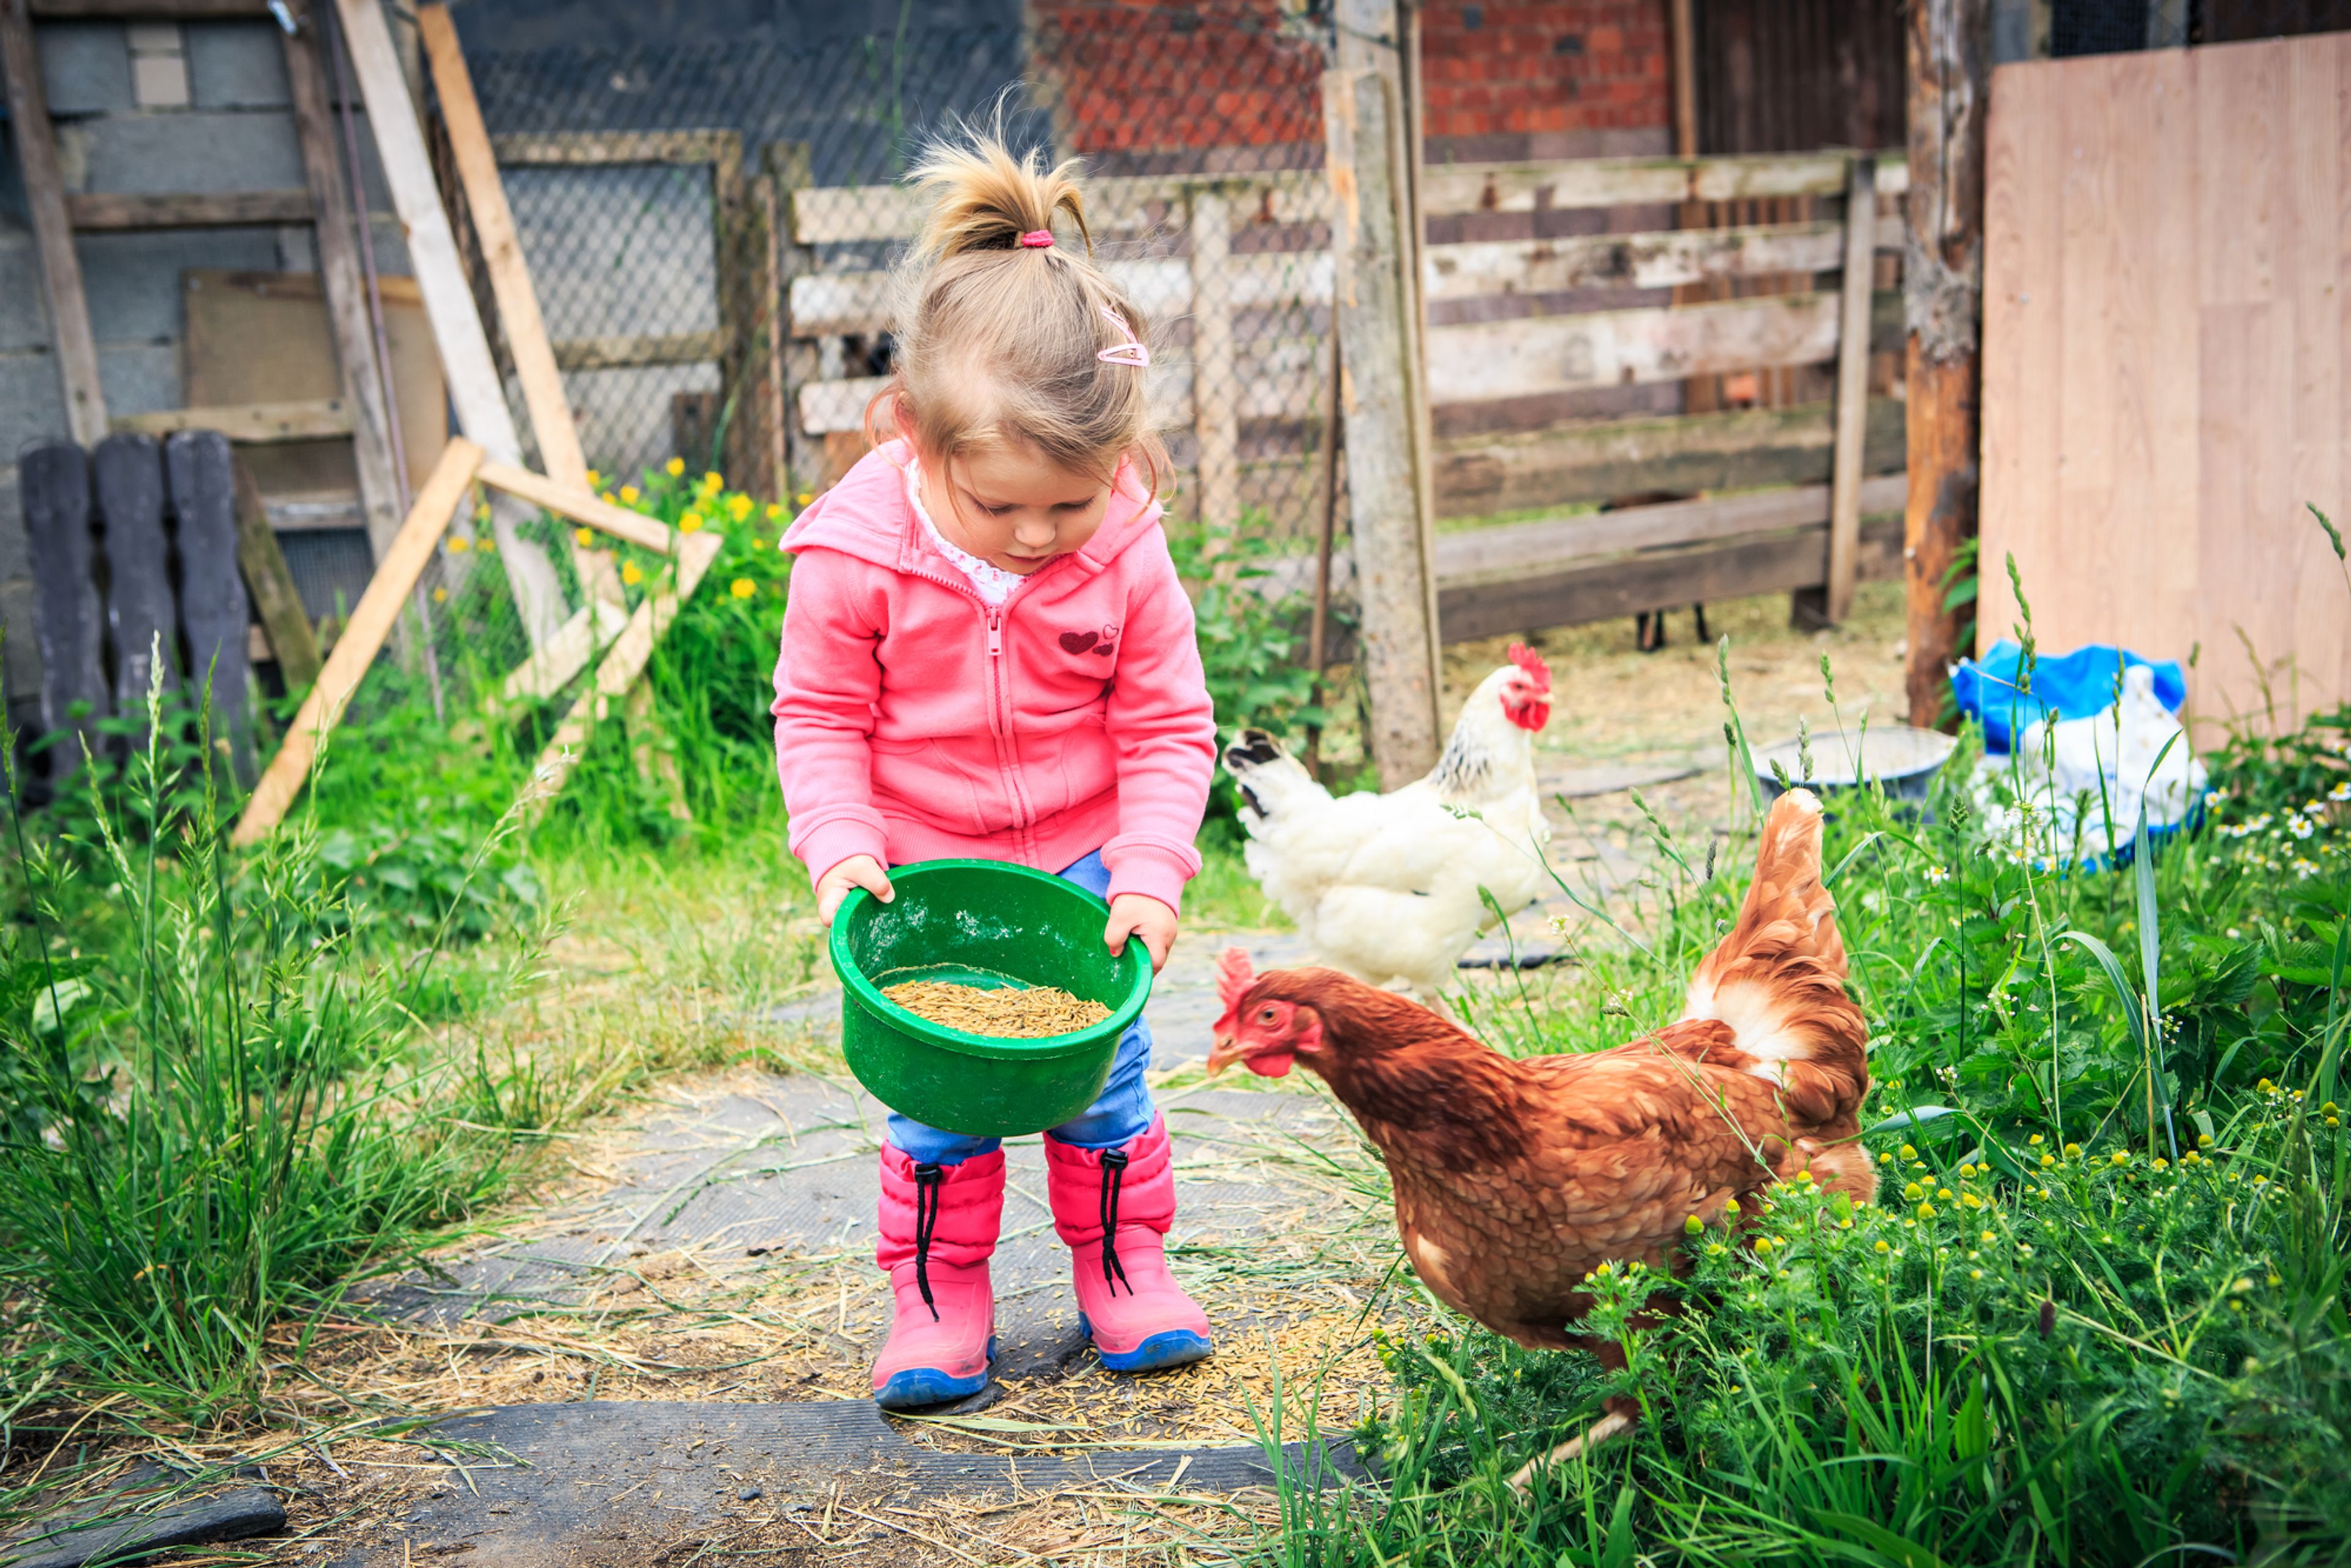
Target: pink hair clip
1132, 351
1037, 239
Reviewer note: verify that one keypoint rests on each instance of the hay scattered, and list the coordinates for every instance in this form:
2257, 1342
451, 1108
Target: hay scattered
1014, 1012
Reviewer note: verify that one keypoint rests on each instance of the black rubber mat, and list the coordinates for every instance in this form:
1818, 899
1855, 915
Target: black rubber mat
154, 1511
625, 1481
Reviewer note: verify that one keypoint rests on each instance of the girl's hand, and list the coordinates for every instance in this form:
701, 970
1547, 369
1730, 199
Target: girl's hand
1141, 915
857, 871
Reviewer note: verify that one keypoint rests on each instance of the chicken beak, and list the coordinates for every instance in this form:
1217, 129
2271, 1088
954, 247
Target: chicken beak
1224, 1053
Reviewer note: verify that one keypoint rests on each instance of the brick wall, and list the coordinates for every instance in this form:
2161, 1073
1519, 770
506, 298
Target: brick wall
1543, 68
1135, 78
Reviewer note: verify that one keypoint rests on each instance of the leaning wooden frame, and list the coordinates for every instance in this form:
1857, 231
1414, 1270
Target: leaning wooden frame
462, 467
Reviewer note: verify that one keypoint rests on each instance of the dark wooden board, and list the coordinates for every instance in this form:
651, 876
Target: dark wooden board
55, 485
141, 620
214, 609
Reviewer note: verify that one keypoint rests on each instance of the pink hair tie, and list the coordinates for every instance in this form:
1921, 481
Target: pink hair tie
1037, 239
1132, 351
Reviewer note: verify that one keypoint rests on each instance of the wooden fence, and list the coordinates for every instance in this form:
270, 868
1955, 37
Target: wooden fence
1239, 262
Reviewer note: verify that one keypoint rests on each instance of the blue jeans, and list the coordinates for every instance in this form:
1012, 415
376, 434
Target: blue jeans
1121, 1113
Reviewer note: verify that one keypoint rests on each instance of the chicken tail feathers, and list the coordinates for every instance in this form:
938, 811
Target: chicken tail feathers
1778, 979
1270, 781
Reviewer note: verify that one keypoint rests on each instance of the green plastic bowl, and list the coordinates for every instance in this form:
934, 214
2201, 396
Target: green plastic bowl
985, 923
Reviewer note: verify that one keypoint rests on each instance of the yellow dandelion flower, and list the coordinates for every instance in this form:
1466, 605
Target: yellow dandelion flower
712, 483
1691, 1226
690, 524
440, 596
595, 480
1975, 1273
804, 497
1989, 1237
1730, 1207
2203, 1140
629, 494
1908, 1153
608, 499
460, 545
741, 588
2072, 1151
1926, 1211
1882, 1245
1885, 1159
738, 506
1944, 1193
632, 573
2049, 1159
775, 511
481, 511
2034, 1140
488, 546
2120, 1156
675, 465
587, 536
1913, 1192
759, 543
1762, 1244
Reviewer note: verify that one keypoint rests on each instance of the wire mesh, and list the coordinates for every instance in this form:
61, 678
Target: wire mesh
709, 231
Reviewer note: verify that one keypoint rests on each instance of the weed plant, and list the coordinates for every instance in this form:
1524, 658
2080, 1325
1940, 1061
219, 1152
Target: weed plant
2097, 1314
216, 1126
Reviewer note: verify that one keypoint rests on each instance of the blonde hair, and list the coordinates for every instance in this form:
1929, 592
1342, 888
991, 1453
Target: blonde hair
1000, 342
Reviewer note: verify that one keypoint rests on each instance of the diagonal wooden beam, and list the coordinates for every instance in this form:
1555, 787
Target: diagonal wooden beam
525, 330
45, 194
362, 637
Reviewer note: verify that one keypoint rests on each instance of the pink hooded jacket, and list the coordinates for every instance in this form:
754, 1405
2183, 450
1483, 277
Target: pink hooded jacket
913, 722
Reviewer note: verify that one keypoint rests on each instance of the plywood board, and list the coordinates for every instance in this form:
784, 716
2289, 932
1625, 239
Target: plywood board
2166, 331
264, 338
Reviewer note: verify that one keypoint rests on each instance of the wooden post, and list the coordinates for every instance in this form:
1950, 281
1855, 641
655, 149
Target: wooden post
738, 246
355, 649
276, 603
1853, 384
790, 172
1942, 270
340, 280
525, 330
475, 389
45, 194
1386, 486
1215, 419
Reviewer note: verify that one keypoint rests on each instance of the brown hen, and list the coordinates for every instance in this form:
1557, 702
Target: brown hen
1514, 1179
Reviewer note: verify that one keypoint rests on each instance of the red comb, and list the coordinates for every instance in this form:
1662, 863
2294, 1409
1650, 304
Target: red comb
1530, 660
1234, 977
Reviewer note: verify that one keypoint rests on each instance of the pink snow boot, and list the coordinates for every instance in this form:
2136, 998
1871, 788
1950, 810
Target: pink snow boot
939, 1226
1113, 1206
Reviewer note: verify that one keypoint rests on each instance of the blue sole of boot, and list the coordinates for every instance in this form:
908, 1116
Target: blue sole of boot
1174, 1347
918, 1387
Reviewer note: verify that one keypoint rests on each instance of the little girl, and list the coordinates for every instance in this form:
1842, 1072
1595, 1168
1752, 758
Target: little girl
987, 655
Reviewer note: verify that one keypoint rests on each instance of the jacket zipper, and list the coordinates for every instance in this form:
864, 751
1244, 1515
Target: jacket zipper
999, 699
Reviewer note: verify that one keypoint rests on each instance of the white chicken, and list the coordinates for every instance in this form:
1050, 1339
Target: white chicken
1387, 886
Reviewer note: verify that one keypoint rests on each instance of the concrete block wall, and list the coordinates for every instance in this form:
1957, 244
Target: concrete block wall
142, 107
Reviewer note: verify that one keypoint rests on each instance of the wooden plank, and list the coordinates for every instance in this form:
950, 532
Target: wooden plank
475, 388
150, 10
576, 149
547, 672
1513, 550
626, 350
1488, 360
252, 424
580, 505
362, 635
118, 210
1384, 489
1216, 423
1595, 461
623, 664
1640, 181
276, 603
342, 278
828, 304
836, 215
1663, 258
551, 425
1612, 587
1852, 387
44, 198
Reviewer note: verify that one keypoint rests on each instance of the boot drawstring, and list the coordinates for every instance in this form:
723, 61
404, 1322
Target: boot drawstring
926, 1219
1113, 1164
